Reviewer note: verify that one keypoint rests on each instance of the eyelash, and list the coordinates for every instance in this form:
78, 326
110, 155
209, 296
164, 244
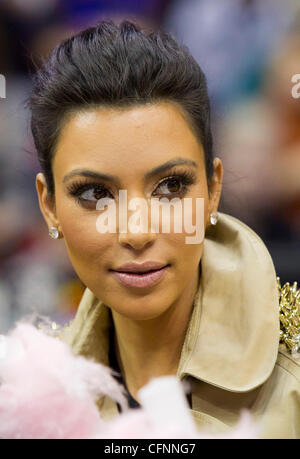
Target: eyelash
185, 179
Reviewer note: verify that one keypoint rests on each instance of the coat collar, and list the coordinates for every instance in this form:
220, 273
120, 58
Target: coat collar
233, 334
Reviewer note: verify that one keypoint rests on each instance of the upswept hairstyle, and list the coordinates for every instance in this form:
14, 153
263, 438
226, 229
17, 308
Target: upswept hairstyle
116, 66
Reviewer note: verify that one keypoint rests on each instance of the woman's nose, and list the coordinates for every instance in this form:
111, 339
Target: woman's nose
137, 241
135, 224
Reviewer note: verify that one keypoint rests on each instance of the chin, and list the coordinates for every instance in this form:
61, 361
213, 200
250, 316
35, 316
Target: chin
140, 309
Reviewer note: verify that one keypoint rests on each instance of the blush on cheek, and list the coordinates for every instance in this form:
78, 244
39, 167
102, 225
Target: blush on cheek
84, 243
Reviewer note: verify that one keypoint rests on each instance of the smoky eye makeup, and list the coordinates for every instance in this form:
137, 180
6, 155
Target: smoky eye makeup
80, 190
168, 186
176, 183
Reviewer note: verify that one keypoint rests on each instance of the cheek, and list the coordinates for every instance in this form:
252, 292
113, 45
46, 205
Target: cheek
188, 245
190, 219
187, 255
85, 245
184, 257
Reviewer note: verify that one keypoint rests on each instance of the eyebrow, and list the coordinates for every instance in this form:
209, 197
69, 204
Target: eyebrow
153, 172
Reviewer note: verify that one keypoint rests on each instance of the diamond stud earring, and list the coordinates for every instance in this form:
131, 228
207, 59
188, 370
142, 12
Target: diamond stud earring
53, 232
214, 218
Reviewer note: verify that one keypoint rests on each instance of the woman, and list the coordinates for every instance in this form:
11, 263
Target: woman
118, 109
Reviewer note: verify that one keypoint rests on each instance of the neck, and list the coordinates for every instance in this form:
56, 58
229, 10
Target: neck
151, 348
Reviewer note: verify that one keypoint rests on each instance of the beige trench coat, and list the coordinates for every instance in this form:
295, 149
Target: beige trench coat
231, 354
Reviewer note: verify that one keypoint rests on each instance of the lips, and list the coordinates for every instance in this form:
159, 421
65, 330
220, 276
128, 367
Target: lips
140, 275
140, 267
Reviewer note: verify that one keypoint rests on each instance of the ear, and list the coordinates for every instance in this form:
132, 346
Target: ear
215, 188
46, 202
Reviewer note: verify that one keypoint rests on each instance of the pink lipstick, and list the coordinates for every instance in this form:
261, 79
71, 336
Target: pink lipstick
140, 275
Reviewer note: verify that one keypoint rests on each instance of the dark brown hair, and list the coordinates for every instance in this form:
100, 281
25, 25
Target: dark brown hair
116, 66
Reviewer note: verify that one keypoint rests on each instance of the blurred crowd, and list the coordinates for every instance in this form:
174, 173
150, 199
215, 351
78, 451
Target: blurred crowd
249, 51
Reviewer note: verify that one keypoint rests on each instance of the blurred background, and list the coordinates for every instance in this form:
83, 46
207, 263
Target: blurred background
249, 50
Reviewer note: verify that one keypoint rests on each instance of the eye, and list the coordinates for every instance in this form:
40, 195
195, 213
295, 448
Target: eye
176, 185
90, 195
171, 185
87, 193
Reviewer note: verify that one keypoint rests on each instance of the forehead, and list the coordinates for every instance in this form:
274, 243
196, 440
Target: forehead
123, 140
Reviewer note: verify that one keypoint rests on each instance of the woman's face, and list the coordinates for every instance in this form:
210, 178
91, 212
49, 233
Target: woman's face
126, 145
